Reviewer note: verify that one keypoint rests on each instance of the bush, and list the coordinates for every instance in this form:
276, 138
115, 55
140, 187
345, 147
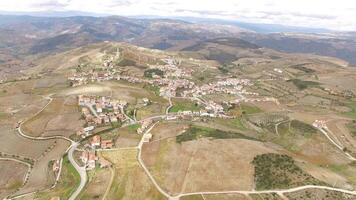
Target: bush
150, 72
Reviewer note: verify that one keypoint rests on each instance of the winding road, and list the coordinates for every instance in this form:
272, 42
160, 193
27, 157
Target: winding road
81, 170
245, 192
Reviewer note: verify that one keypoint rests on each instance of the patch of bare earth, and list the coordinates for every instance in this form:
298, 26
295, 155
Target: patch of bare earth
12, 174
204, 164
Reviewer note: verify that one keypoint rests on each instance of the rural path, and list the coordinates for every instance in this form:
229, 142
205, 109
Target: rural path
247, 192
26, 176
325, 132
169, 106
112, 172
145, 168
279, 123
81, 170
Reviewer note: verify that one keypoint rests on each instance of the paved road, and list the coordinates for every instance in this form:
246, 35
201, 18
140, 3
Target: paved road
81, 170
70, 150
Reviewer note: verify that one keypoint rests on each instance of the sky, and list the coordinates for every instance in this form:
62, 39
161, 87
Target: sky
331, 14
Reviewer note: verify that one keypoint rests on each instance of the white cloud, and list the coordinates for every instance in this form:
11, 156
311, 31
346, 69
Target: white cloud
338, 15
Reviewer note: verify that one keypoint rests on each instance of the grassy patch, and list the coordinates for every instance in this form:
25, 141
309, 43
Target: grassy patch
133, 127
275, 171
302, 85
3, 115
249, 109
182, 105
152, 88
352, 129
67, 183
148, 73
351, 113
195, 132
126, 62
302, 128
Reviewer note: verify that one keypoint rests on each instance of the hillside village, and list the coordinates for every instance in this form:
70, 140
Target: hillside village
169, 78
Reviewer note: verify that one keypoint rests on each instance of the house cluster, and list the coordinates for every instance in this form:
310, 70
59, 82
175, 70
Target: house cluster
188, 114
319, 124
97, 142
170, 69
171, 89
90, 160
93, 75
89, 157
145, 124
228, 86
99, 110
262, 99
56, 166
213, 107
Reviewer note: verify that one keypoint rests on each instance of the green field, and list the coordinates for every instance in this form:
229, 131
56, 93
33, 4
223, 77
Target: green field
302, 128
351, 113
249, 109
196, 132
183, 105
302, 85
352, 128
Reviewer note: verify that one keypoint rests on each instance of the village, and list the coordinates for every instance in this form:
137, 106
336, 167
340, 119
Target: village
172, 81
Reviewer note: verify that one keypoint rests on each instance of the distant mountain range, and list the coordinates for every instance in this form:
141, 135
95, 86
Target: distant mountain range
27, 36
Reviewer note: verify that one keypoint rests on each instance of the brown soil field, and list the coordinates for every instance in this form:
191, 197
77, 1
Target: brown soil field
167, 130
12, 143
98, 182
341, 79
12, 174
151, 110
339, 129
203, 165
90, 89
61, 114
127, 138
40, 177
130, 181
268, 106
316, 150
326, 175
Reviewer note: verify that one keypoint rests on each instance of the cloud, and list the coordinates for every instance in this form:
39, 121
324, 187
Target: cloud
50, 4
338, 15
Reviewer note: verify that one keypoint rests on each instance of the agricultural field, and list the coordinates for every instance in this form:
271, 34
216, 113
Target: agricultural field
128, 177
60, 117
12, 176
126, 136
184, 105
98, 184
196, 168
